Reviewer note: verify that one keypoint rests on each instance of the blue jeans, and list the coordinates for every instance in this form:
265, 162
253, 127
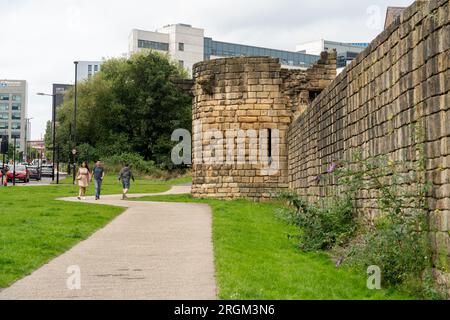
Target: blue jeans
98, 187
126, 184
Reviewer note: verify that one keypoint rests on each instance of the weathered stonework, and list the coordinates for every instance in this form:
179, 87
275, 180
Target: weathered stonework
401, 79
248, 94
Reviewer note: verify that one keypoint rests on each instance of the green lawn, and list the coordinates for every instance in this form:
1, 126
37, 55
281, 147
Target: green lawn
255, 259
34, 228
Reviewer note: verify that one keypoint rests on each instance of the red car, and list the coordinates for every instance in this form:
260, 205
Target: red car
22, 173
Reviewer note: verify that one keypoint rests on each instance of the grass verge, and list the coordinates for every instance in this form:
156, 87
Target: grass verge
35, 228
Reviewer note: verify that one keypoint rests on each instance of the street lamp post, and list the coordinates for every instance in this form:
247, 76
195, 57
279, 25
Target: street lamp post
57, 164
14, 162
75, 122
27, 129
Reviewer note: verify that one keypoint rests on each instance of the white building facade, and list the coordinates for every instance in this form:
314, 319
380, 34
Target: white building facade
183, 43
346, 52
87, 69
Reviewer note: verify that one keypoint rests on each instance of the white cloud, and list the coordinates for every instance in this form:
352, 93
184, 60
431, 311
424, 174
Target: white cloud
41, 39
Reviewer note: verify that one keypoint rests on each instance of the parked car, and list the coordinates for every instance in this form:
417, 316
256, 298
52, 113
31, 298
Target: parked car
35, 172
22, 173
47, 170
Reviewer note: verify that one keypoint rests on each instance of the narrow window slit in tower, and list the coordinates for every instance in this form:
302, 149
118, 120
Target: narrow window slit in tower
269, 146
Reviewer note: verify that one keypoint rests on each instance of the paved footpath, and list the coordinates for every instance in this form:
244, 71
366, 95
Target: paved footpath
152, 251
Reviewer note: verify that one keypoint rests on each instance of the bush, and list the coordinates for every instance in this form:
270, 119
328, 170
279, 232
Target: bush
401, 252
136, 161
322, 226
396, 241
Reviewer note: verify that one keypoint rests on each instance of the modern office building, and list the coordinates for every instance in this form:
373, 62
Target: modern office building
86, 69
13, 111
59, 90
188, 45
346, 52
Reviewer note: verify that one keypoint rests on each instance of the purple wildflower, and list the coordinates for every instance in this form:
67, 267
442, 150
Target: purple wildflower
333, 167
318, 179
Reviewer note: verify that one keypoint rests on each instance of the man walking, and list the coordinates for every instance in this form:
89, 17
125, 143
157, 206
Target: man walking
98, 175
125, 176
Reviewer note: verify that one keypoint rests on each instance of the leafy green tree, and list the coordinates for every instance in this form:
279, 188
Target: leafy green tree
48, 140
131, 105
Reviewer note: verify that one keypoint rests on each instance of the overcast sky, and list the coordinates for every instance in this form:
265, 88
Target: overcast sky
40, 39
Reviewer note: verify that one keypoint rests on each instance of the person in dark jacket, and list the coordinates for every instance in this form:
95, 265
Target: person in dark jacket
98, 174
126, 176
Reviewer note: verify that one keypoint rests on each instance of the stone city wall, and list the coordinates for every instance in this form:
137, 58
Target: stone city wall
401, 79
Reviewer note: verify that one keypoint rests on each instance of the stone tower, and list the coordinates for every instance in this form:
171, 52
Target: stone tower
242, 110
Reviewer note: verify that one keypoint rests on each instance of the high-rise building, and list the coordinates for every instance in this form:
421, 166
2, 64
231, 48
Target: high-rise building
188, 45
86, 69
346, 52
13, 111
59, 90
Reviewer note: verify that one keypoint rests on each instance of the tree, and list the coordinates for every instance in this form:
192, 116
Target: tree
48, 140
131, 105
10, 154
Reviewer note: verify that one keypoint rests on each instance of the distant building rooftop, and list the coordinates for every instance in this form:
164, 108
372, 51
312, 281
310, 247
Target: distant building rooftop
392, 13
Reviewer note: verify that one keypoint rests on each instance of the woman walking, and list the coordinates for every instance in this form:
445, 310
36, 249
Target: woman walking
83, 177
125, 176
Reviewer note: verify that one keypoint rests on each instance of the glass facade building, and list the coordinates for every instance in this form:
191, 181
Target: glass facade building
13, 108
288, 58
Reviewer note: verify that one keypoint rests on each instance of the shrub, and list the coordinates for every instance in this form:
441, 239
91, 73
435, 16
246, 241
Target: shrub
397, 247
396, 240
136, 161
321, 225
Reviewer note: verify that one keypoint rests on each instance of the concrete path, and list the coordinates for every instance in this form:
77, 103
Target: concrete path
152, 251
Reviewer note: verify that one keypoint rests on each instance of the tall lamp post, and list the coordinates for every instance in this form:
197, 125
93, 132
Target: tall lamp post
14, 161
27, 129
53, 129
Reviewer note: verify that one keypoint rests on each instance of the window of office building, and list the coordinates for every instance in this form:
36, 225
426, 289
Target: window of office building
16, 116
4, 97
4, 107
145, 44
4, 116
15, 126
4, 126
90, 68
223, 49
181, 46
16, 107
16, 98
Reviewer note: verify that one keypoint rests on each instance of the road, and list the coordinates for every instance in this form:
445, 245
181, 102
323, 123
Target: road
44, 182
